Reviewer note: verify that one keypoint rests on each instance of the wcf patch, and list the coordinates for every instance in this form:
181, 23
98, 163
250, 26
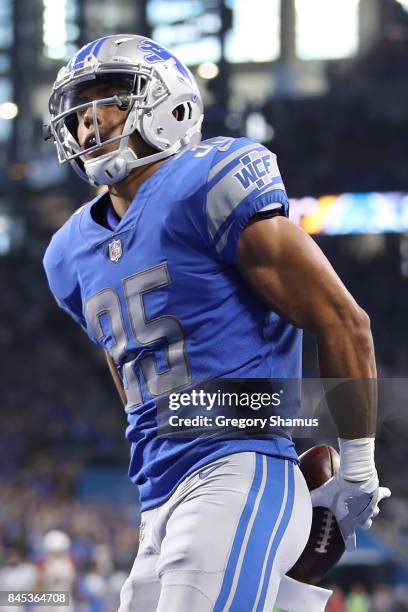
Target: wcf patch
257, 168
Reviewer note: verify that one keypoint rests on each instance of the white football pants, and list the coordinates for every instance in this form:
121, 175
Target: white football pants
224, 541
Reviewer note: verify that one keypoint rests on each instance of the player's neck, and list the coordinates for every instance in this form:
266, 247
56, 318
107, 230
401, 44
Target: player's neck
122, 194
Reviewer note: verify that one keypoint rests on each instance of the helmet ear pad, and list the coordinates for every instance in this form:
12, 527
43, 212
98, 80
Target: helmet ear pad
170, 120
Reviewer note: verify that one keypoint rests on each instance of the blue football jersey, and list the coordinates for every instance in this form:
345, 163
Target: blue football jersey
162, 294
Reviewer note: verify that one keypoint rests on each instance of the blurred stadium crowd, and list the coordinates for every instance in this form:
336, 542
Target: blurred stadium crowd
59, 416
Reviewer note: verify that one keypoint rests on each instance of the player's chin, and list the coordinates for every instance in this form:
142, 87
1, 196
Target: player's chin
100, 151
96, 153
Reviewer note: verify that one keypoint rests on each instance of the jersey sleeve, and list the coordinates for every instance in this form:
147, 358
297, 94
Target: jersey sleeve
62, 280
241, 184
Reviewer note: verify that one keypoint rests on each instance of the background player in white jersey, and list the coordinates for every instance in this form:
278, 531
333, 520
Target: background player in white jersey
187, 269
56, 570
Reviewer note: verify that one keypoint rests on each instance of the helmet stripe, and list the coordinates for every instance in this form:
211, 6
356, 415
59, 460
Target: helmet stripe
90, 49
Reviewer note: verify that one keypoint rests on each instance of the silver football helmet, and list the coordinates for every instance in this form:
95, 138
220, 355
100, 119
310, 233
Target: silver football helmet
158, 92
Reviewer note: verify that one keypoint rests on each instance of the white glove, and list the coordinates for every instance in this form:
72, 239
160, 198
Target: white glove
354, 504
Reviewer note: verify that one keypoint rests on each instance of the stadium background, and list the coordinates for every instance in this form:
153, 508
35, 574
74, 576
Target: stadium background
324, 84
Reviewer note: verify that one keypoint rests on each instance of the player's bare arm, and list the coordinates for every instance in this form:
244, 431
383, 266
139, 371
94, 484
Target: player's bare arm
116, 378
290, 274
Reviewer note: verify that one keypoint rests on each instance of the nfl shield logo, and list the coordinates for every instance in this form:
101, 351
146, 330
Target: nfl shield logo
115, 250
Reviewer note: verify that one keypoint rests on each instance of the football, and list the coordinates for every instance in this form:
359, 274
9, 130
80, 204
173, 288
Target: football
325, 545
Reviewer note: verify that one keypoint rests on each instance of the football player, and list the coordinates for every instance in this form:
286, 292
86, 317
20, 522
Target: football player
186, 269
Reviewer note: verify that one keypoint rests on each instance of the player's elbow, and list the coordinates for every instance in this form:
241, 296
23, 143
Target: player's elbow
352, 321
360, 328
363, 322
